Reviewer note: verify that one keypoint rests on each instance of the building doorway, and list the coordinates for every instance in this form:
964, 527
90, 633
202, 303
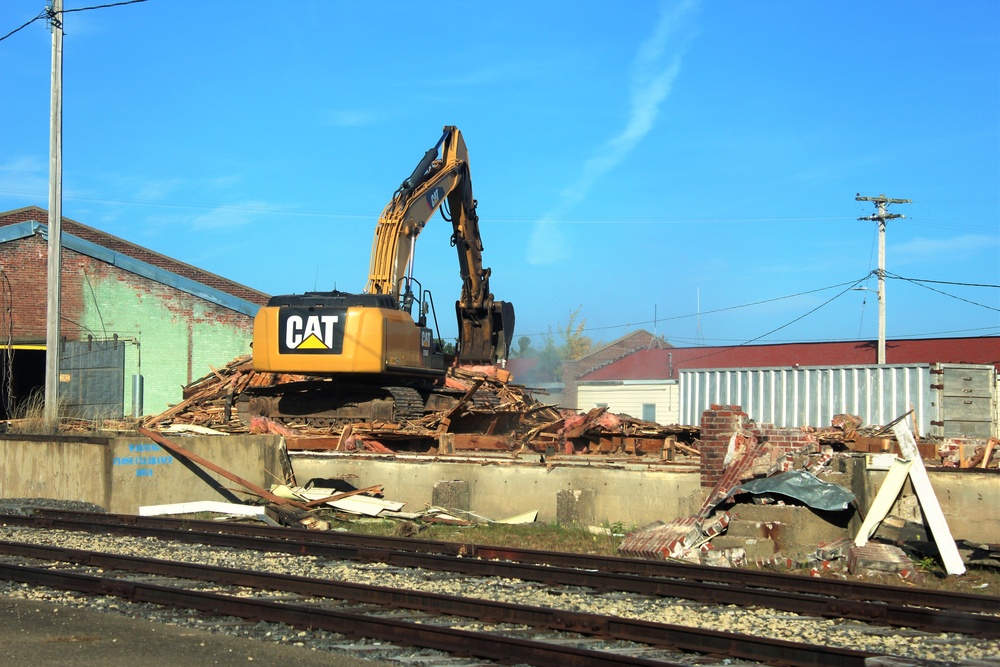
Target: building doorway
22, 380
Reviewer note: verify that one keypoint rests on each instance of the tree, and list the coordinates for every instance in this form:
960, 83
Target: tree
575, 344
572, 344
524, 350
447, 347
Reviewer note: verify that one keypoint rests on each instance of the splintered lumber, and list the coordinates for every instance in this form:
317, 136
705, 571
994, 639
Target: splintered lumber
484, 410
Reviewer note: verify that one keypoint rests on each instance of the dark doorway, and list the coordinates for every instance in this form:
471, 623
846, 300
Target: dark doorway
22, 380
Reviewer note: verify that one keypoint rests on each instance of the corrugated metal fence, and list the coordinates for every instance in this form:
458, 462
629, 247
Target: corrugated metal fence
811, 396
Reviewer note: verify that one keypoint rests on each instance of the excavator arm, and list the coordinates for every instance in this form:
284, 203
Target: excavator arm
485, 326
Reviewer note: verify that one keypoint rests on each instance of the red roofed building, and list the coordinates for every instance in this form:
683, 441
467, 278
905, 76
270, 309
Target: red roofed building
639, 374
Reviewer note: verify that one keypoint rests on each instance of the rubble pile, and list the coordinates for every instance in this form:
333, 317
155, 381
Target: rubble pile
493, 414
764, 511
847, 432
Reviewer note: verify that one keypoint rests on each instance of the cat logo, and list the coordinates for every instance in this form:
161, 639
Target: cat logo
304, 331
434, 198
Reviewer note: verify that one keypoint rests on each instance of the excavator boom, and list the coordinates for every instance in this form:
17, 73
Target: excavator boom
485, 326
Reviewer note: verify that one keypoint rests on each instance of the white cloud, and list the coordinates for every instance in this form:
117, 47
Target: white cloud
230, 216
654, 69
24, 176
157, 190
352, 118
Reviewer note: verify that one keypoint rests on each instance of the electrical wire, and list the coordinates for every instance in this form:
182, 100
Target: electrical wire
97, 307
113, 4
852, 284
864, 301
42, 15
919, 283
785, 325
943, 282
47, 13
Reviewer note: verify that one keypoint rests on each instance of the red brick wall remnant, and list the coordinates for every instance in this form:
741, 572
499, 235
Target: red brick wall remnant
717, 427
720, 422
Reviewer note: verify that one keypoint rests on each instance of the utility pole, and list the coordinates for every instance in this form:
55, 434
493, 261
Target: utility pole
53, 303
881, 202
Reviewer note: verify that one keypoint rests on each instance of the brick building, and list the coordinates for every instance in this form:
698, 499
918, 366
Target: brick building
126, 312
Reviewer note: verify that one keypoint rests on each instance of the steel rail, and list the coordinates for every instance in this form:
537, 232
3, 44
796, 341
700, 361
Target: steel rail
933, 620
853, 590
774, 651
462, 642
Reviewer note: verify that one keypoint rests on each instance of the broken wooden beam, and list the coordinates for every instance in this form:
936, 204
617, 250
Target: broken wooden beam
180, 452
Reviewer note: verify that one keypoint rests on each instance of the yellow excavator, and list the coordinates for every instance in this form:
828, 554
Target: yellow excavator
365, 355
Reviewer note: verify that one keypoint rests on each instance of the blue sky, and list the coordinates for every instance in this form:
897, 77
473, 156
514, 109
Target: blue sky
646, 164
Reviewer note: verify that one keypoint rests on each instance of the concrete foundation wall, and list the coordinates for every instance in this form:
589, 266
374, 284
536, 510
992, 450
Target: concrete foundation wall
62, 469
121, 474
968, 498
631, 497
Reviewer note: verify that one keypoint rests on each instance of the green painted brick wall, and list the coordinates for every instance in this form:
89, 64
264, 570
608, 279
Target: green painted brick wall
172, 337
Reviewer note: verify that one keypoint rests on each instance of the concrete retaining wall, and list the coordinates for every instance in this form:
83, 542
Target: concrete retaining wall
633, 497
62, 468
969, 499
121, 474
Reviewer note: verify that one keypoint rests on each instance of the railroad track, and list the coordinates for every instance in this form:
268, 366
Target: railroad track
622, 641
932, 611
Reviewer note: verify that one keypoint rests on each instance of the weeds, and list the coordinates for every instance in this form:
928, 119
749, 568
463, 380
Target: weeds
28, 417
540, 536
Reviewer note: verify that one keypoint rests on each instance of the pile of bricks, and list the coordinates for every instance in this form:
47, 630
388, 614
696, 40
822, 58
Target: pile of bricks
682, 538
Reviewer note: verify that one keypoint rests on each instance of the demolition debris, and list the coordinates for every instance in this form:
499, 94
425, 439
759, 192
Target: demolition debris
493, 414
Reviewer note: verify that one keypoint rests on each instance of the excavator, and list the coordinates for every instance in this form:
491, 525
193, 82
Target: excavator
366, 356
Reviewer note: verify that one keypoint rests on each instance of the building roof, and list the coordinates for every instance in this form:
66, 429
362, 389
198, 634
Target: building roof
659, 364
119, 247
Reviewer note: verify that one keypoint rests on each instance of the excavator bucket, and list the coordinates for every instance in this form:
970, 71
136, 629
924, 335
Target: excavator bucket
485, 334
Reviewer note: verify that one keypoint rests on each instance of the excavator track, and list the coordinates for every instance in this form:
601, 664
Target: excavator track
408, 403
325, 403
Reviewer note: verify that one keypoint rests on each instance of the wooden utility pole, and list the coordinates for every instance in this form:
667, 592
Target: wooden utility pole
881, 202
53, 304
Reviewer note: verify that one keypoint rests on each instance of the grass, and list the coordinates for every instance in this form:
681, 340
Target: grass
573, 539
540, 536
29, 418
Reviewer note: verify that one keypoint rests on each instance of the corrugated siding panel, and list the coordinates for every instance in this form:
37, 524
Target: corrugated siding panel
91, 379
995, 432
966, 400
811, 396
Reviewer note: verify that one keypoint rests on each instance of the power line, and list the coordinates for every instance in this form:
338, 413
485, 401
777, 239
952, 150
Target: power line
783, 326
113, 4
722, 310
718, 342
47, 13
958, 298
850, 285
42, 15
943, 282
